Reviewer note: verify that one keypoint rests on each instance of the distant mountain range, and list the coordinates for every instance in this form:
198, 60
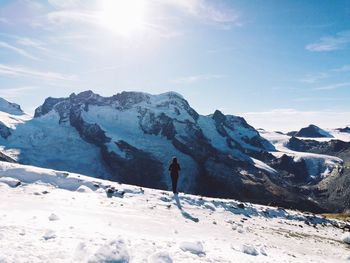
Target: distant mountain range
131, 136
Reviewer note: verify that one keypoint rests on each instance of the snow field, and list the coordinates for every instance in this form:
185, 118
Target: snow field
46, 218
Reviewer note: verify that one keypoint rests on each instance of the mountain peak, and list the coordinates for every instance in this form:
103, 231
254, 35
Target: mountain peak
10, 108
313, 131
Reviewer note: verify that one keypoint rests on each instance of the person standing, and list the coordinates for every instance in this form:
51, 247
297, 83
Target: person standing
174, 169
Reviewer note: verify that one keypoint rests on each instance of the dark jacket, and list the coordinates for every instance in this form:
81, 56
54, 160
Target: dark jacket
174, 169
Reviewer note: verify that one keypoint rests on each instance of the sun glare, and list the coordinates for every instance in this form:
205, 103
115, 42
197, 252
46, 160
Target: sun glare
123, 16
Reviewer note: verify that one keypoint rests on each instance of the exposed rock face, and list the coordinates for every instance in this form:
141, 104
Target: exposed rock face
5, 158
4, 131
346, 129
296, 171
312, 131
332, 147
138, 167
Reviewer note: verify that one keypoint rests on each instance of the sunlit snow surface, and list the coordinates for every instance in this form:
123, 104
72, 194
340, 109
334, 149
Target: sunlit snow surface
52, 216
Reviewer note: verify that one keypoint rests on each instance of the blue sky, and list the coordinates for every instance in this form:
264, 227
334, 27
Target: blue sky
280, 64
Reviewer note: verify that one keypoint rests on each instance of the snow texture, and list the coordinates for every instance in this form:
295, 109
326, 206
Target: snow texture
146, 225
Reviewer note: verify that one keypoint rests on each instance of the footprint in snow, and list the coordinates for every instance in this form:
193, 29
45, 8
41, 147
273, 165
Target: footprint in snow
165, 199
193, 247
49, 235
113, 251
160, 257
53, 217
251, 250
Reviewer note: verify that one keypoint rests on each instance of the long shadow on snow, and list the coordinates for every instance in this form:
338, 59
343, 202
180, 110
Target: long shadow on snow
183, 212
250, 211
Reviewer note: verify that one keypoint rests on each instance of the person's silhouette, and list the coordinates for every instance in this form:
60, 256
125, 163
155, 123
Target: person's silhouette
174, 169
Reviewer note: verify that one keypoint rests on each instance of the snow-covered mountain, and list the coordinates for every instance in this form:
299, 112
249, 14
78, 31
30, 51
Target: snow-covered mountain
130, 138
54, 216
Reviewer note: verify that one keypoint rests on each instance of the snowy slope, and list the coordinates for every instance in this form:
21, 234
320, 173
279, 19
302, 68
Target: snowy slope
52, 216
43, 142
10, 108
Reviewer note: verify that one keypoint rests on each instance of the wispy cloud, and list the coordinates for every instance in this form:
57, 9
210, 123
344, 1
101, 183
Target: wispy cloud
65, 3
307, 99
19, 71
196, 78
220, 49
344, 68
292, 119
334, 86
42, 47
330, 43
313, 78
17, 50
72, 16
204, 10
10, 93
3, 20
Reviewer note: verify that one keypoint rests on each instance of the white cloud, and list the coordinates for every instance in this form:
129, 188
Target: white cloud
291, 119
17, 50
196, 78
334, 86
19, 71
330, 43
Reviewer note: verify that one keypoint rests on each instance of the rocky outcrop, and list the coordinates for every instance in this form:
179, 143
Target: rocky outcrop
4, 131
136, 167
294, 171
6, 158
312, 131
332, 147
346, 129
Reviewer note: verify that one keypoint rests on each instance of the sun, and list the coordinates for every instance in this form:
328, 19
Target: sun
123, 16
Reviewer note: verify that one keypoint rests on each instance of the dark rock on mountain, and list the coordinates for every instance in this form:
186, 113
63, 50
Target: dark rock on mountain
346, 129
296, 171
292, 133
5, 158
138, 167
332, 147
4, 131
312, 131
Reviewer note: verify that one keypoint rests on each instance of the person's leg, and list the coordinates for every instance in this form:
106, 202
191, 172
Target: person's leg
173, 183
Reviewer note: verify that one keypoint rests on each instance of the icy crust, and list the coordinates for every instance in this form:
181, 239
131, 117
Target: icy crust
46, 217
